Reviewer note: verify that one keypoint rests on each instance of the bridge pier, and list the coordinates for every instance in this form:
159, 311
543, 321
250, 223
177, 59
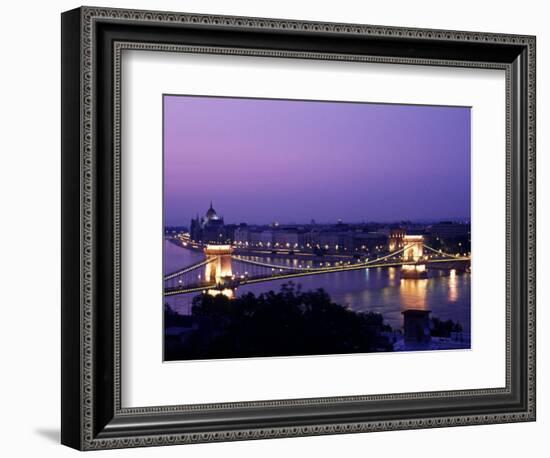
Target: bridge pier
414, 251
219, 271
414, 271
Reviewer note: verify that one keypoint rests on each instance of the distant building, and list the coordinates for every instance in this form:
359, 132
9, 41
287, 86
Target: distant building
254, 238
286, 239
345, 242
395, 237
208, 229
370, 242
230, 230
449, 230
327, 240
266, 238
242, 235
307, 239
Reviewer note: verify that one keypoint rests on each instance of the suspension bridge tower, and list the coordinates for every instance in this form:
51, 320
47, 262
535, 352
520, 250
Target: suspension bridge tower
413, 253
414, 247
219, 270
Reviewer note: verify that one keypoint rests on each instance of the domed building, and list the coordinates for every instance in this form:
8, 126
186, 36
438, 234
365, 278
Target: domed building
208, 229
211, 214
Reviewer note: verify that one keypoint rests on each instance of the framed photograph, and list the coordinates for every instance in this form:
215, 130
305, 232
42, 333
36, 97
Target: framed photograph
277, 228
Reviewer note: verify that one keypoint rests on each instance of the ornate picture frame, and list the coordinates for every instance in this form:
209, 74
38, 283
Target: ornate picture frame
93, 416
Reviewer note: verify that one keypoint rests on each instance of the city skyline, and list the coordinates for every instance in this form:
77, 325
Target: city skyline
265, 160
310, 221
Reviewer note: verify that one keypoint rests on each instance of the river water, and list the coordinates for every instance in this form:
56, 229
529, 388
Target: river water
378, 290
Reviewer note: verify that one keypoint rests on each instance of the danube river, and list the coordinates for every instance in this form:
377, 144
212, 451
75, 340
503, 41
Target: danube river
379, 290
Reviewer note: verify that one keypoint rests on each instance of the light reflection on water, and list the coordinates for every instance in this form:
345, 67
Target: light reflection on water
378, 290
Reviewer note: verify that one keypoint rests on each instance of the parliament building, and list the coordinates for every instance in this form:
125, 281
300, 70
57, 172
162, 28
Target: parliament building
208, 229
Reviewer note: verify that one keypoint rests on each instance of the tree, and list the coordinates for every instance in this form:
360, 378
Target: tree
285, 323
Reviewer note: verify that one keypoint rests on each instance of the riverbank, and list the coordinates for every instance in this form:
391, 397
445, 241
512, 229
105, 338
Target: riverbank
280, 254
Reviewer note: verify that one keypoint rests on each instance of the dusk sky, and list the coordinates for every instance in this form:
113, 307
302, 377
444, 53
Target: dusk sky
262, 160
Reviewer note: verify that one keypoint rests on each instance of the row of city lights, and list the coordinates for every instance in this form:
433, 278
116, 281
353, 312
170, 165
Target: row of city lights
337, 247
240, 243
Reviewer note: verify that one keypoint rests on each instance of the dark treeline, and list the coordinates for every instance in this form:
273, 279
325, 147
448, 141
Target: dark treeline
444, 328
285, 323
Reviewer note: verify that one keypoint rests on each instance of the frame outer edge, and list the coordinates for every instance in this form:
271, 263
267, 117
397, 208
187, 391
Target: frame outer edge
71, 306
532, 227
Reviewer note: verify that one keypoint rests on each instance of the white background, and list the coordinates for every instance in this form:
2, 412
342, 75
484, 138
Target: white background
29, 247
148, 75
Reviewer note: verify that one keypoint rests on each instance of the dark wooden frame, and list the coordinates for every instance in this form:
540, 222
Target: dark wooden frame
92, 40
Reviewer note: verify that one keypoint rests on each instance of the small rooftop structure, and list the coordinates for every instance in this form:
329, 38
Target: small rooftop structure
417, 325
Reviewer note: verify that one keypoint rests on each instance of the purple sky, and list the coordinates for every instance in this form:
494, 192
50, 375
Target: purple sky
262, 160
